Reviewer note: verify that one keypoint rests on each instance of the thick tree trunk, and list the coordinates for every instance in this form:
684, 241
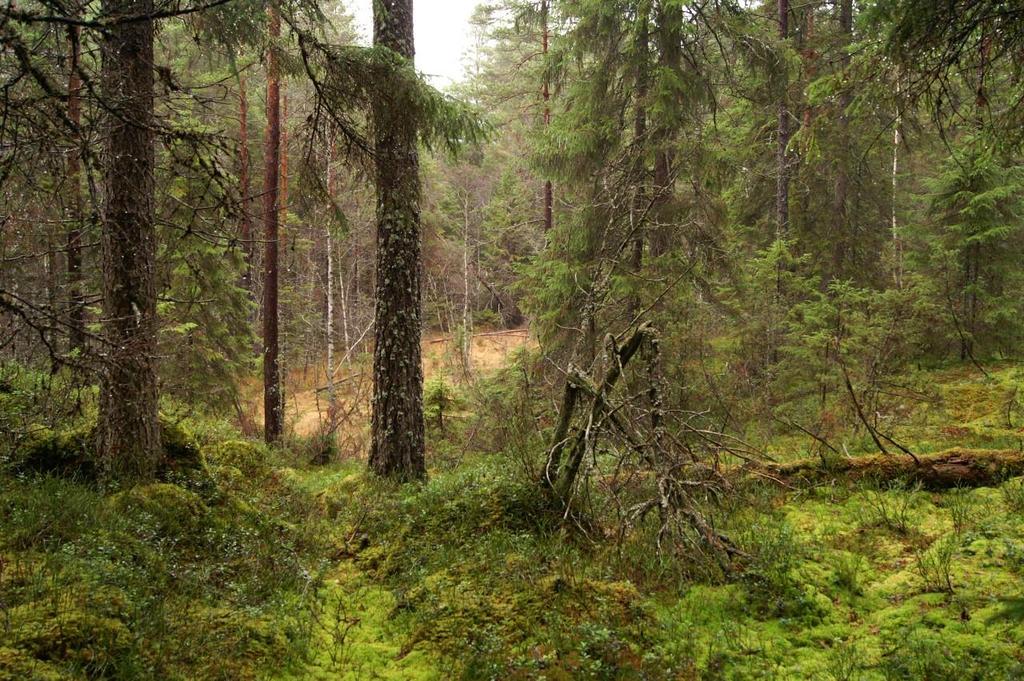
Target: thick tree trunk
273, 416
397, 428
76, 298
129, 433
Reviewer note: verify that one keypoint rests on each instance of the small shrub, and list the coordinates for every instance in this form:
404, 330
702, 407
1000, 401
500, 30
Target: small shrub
892, 507
774, 552
1013, 495
923, 654
849, 567
935, 566
962, 509
439, 398
844, 662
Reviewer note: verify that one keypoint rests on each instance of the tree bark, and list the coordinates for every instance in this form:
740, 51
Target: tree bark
467, 315
397, 449
128, 433
273, 416
76, 298
329, 284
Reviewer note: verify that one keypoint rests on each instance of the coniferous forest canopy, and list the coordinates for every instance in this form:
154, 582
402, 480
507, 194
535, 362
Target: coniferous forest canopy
680, 339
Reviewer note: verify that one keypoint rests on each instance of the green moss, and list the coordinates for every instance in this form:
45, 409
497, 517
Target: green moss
85, 633
18, 665
68, 454
167, 510
71, 454
249, 643
355, 637
250, 458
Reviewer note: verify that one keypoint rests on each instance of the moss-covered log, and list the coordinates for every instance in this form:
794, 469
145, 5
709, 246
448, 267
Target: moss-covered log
943, 470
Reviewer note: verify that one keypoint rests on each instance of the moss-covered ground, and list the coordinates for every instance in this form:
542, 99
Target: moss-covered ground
259, 566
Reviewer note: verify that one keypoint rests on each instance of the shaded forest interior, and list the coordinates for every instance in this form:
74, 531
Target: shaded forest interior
677, 339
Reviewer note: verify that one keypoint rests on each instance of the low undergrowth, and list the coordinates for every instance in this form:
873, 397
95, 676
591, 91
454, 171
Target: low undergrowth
255, 564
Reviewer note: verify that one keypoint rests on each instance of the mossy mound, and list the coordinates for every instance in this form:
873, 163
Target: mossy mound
249, 644
71, 454
17, 664
86, 633
68, 454
251, 458
165, 509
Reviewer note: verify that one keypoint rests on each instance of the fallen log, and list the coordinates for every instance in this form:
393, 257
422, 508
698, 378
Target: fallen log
944, 470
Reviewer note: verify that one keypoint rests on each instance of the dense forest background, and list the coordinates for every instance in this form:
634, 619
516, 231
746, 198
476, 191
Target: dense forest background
694, 324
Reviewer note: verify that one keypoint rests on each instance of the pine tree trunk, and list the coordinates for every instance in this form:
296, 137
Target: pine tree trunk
76, 299
129, 433
273, 416
397, 429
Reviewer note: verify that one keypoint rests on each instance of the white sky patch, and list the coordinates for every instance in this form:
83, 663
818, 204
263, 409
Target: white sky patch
442, 35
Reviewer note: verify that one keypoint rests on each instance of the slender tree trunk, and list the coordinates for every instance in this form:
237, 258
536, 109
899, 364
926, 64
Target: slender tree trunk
549, 194
640, 143
329, 287
897, 242
840, 207
810, 58
129, 432
273, 413
397, 428
76, 299
784, 134
244, 169
467, 317
52, 301
283, 220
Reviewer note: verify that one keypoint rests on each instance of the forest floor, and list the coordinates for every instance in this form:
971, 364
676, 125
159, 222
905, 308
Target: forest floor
261, 566
306, 410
